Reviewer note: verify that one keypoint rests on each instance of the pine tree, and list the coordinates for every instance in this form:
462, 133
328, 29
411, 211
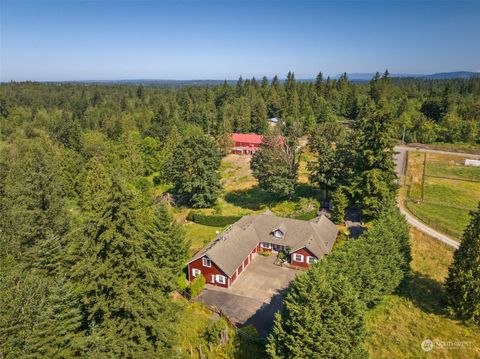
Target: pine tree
322, 318
194, 171
319, 84
375, 185
122, 285
96, 186
33, 204
339, 202
274, 166
166, 245
58, 333
376, 263
463, 282
332, 146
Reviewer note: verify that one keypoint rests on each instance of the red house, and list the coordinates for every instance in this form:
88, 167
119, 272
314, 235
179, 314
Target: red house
246, 143
222, 261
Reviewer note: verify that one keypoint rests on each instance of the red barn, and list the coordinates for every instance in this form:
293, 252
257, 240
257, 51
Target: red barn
222, 261
246, 143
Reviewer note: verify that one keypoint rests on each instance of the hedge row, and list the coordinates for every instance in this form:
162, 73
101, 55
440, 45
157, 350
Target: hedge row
222, 221
213, 220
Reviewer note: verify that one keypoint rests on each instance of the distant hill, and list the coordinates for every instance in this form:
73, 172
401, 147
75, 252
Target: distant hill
452, 75
354, 77
367, 76
150, 82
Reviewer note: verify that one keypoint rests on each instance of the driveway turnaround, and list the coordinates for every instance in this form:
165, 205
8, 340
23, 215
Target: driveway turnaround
255, 296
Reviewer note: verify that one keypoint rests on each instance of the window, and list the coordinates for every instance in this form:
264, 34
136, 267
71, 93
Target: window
298, 257
196, 272
278, 233
311, 259
221, 279
266, 245
206, 262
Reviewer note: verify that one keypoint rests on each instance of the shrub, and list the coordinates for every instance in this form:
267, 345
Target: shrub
196, 286
307, 216
182, 282
213, 221
214, 330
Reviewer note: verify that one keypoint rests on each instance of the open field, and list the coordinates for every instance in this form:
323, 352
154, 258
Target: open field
441, 190
401, 322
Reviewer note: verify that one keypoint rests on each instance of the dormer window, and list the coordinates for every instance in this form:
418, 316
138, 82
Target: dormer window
280, 231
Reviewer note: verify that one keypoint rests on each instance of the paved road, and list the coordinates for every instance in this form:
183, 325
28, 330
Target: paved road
401, 161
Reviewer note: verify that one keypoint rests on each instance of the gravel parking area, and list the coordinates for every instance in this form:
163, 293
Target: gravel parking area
255, 296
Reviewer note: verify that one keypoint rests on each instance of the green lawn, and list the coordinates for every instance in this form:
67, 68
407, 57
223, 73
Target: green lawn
451, 221
199, 235
452, 192
401, 322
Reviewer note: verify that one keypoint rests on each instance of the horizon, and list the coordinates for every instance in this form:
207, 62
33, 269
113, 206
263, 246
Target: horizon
54, 41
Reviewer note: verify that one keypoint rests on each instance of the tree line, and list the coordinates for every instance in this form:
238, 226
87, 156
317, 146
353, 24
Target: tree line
90, 253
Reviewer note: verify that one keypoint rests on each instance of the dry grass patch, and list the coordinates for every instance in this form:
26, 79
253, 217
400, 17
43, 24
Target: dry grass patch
401, 322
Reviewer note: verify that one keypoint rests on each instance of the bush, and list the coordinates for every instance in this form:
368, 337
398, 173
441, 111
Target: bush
196, 286
214, 330
213, 221
307, 216
182, 282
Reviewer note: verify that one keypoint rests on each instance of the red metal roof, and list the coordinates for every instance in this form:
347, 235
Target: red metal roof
247, 138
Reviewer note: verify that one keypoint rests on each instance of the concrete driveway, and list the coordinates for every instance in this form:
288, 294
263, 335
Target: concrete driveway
255, 296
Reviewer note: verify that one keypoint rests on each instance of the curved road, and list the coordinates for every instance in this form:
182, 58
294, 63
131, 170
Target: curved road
400, 161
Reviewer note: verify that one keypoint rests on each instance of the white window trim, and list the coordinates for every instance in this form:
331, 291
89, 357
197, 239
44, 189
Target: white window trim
297, 257
311, 259
204, 259
266, 245
221, 279
278, 234
196, 272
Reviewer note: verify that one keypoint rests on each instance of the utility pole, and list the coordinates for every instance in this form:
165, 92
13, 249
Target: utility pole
403, 136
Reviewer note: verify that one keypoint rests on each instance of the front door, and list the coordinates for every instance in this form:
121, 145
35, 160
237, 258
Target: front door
277, 248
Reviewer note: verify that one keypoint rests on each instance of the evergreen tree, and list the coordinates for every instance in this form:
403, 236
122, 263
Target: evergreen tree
122, 285
376, 263
332, 146
33, 204
339, 202
258, 120
58, 332
23, 297
322, 318
319, 84
376, 184
274, 166
194, 171
96, 186
463, 282
166, 244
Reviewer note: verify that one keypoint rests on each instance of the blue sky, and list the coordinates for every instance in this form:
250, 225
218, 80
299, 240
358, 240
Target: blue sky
73, 40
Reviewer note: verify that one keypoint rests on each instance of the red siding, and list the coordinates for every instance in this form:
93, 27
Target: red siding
305, 252
207, 272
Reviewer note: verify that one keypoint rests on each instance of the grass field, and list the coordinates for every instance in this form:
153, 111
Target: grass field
442, 193
401, 322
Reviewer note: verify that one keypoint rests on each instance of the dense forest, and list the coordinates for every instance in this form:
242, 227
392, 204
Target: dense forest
89, 255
